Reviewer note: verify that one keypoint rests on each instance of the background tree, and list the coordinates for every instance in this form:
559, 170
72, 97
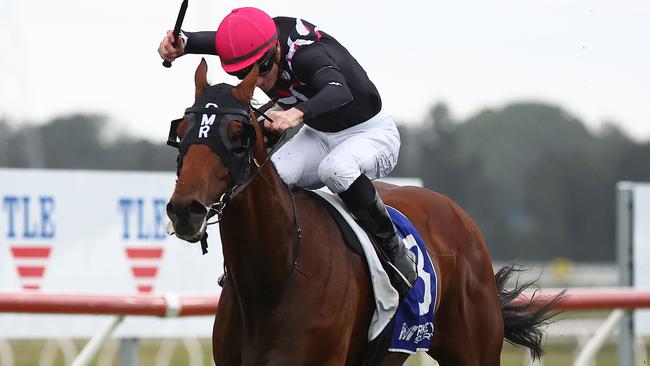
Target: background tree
538, 183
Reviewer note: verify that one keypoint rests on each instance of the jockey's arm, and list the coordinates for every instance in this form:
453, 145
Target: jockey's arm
188, 42
200, 42
320, 72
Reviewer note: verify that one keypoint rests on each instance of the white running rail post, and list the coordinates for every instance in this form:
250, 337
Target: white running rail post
129, 352
6, 354
592, 347
95, 343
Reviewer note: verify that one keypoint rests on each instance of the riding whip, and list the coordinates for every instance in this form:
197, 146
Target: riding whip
177, 27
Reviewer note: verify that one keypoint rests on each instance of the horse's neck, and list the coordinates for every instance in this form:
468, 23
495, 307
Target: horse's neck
258, 234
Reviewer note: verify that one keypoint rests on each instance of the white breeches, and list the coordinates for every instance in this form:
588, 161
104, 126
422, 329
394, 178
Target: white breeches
313, 159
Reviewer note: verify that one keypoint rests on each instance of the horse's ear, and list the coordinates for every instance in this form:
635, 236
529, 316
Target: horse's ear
201, 78
244, 91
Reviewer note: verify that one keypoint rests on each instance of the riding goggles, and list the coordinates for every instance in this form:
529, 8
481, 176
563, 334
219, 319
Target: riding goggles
265, 65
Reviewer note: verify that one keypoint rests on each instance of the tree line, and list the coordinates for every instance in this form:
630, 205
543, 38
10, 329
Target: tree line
539, 184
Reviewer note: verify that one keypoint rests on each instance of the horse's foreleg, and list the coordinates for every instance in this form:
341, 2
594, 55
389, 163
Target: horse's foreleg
226, 333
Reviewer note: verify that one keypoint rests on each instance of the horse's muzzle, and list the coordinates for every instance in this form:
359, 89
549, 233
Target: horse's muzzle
189, 219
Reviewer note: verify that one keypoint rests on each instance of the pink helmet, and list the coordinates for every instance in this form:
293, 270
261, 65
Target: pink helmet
243, 37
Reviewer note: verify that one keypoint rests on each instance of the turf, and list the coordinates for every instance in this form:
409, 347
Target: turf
27, 353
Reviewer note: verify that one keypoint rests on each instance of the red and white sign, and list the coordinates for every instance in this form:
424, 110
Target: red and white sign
31, 262
97, 232
144, 263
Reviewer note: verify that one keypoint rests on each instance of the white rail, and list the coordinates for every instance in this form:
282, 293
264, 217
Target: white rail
96, 342
591, 348
171, 306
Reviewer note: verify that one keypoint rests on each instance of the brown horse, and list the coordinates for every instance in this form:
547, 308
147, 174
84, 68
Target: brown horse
295, 294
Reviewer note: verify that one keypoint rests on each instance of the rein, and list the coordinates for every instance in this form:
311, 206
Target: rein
217, 208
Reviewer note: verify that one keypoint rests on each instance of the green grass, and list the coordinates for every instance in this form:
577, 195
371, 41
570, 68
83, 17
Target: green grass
559, 355
27, 353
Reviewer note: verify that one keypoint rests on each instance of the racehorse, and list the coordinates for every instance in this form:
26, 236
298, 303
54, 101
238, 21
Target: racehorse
294, 293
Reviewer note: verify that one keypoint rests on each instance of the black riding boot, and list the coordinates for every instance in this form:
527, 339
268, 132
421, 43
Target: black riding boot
365, 204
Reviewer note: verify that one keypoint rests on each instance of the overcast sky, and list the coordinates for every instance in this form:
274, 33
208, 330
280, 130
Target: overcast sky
590, 57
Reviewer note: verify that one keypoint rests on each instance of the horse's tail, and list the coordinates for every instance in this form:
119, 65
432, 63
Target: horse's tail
523, 322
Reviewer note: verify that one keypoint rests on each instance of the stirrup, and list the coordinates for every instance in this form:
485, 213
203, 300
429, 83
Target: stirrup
398, 278
411, 258
398, 281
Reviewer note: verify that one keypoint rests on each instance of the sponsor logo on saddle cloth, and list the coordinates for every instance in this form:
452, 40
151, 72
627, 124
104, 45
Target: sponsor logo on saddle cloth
413, 321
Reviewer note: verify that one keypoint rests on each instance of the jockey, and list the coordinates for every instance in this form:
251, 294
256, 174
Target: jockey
347, 140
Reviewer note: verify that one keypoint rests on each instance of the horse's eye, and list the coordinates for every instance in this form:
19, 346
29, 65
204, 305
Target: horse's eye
180, 131
235, 132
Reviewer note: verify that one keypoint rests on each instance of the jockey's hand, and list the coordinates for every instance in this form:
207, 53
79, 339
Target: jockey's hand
283, 119
170, 50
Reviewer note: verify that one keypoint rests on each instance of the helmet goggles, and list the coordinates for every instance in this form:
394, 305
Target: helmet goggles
265, 65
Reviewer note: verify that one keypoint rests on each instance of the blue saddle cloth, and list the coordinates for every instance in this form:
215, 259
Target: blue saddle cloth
413, 322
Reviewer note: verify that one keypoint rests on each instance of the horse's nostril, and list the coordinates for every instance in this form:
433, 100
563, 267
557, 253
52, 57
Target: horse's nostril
196, 208
170, 209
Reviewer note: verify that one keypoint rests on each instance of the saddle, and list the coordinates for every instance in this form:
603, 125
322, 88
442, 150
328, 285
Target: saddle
351, 239
377, 347
399, 324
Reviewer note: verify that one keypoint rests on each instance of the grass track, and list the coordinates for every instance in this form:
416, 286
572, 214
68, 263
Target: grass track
27, 353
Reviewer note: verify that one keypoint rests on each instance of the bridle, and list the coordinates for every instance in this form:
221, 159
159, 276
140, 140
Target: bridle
216, 209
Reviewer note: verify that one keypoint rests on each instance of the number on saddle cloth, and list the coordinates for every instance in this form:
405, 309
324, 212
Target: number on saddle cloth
413, 322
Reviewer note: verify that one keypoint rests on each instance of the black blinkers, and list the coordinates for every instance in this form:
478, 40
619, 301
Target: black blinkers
219, 121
